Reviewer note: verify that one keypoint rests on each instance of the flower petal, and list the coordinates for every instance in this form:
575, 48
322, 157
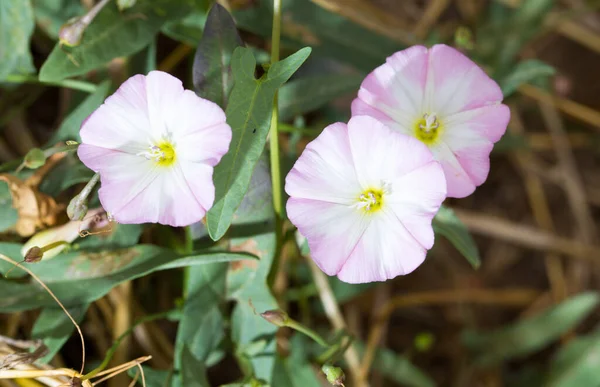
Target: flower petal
163, 91
421, 193
459, 183
386, 250
202, 135
457, 83
325, 170
382, 154
121, 122
397, 87
166, 199
488, 123
332, 230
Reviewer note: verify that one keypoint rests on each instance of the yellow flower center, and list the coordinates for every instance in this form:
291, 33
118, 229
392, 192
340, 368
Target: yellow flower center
428, 128
163, 154
370, 201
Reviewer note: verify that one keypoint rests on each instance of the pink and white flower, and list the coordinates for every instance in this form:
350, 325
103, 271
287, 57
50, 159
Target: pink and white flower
154, 145
442, 98
364, 197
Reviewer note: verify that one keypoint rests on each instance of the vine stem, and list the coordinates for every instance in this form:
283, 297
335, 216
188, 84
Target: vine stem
274, 145
67, 83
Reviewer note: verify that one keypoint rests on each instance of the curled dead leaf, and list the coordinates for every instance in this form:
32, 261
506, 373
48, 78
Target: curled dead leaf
35, 209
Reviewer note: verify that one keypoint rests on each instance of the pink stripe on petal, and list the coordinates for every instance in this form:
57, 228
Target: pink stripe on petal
458, 83
332, 230
458, 181
386, 250
488, 122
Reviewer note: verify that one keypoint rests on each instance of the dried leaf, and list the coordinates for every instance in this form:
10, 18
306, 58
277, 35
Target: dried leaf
12, 354
35, 209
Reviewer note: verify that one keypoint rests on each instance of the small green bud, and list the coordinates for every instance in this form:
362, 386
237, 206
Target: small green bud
34, 254
34, 159
463, 37
77, 208
276, 317
424, 341
334, 375
124, 4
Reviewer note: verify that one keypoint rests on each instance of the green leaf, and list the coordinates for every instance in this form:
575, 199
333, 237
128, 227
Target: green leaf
532, 334
310, 93
82, 277
397, 368
8, 215
247, 284
213, 79
525, 72
577, 363
193, 373
69, 129
55, 328
294, 370
50, 15
446, 223
112, 34
16, 27
202, 326
249, 114
154, 378
67, 173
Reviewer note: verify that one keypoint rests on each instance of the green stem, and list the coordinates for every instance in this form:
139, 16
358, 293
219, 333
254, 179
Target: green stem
307, 331
274, 146
67, 83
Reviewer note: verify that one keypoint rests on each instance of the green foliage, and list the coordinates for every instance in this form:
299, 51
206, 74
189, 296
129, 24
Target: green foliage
399, 368
8, 215
577, 364
446, 223
306, 94
50, 15
533, 334
16, 27
99, 271
330, 35
112, 34
249, 114
55, 328
213, 79
525, 72
192, 370
69, 129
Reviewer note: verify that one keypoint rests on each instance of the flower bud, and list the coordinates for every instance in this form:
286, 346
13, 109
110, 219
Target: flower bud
34, 159
34, 254
276, 317
77, 208
334, 375
71, 33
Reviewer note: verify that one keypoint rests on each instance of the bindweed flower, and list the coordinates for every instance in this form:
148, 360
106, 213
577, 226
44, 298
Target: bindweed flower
364, 197
154, 145
445, 100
